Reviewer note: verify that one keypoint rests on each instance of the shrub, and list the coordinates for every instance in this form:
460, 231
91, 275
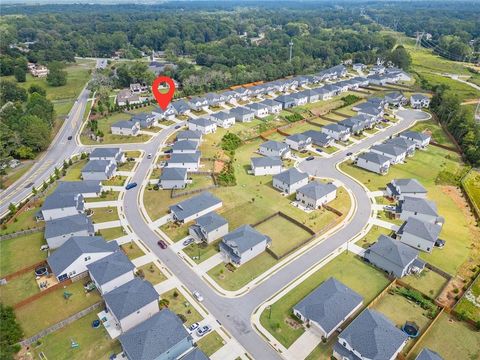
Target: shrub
230, 142
182, 317
175, 294
350, 99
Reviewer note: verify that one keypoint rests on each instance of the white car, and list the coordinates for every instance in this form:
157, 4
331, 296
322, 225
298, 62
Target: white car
194, 326
203, 330
149, 156
198, 296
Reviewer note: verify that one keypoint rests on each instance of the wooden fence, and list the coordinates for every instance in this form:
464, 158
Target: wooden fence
21, 233
42, 293
24, 270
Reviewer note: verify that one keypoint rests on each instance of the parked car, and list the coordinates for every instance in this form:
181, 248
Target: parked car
198, 296
177, 127
319, 150
193, 327
130, 186
309, 158
203, 330
440, 243
70, 137
162, 244
188, 241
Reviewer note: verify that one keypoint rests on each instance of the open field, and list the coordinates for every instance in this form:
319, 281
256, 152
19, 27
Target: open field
210, 343
471, 184
437, 133
428, 282
19, 289
25, 220
152, 273
179, 305
347, 268
20, 252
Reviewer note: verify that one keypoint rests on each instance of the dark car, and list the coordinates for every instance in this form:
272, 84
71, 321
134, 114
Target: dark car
177, 127
319, 150
349, 153
162, 244
440, 243
130, 186
70, 137
309, 158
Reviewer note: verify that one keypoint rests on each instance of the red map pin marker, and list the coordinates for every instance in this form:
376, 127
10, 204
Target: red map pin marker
163, 99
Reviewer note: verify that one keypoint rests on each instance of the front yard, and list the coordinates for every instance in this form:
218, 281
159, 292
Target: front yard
112, 233
132, 250
372, 236
179, 305
104, 214
152, 273
210, 343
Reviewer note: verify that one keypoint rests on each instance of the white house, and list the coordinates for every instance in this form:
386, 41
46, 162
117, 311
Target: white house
421, 235
125, 127
274, 149
99, 170
173, 178
421, 140
114, 154
396, 154
373, 162
242, 114
298, 141
266, 165
401, 188
316, 194
209, 228
337, 132
194, 207
58, 205
260, 109
203, 125
290, 180
111, 271
189, 161
419, 101
421, 209
185, 147
58, 231
223, 119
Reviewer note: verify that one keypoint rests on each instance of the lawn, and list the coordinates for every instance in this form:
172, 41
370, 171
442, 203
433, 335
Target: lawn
285, 234
175, 231
471, 184
74, 172
210, 343
20, 252
179, 305
25, 220
428, 282
452, 339
466, 304
133, 153
94, 343
132, 250
152, 273
117, 180
347, 268
19, 289
126, 166
372, 236
104, 214
438, 135
199, 252
105, 196
53, 307
112, 233
384, 216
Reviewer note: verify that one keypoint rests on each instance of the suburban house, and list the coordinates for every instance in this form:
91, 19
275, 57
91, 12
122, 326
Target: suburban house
138, 88
173, 178
127, 97
378, 69
185, 147
198, 103
99, 170
125, 127
160, 337
359, 67
419, 101
73, 256
86, 188
243, 244
395, 98
209, 227
189, 135
394, 153
298, 141
400, 188
191, 162
203, 125
131, 303
419, 234
242, 114
370, 109
58, 205
274, 149
194, 207
287, 101
180, 106
394, 257
290, 180
114, 154
319, 138
111, 271
224, 119
337, 132
60, 230
274, 107
427, 354
371, 335
312, 95
421, 140
315, 194
323, 94
242, 93
266, 165
373, 162
408, 145
260, 109
145, 120
419, 208
327, 307
354, 125
195, 354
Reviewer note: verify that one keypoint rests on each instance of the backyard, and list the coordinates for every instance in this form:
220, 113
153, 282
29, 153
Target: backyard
104, 214
469, 304
25, 220
179, 305
19, 288
20, 252
428, 282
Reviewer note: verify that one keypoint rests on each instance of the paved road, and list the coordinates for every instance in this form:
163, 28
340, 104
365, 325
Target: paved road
235, 314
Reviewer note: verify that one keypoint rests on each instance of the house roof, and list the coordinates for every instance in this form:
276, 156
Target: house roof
409, 186
195, 354
144, 116
336, 128
185, 145
374, 336
394, 251
180, 105
291, 176
274, 145
256, 106
415, 135
222, 115
266, 161
419, 97
110, 267
401, 142
393, 96
422, 229
316, 190
203, 122
427, 354
195, 204
130, 297
329, 304
105, 153
298, 138
374, 157
270, 102
173, 174
389, 149
68, 225
189, 134
211, 221
244, 238
241, 111
96, 166
418, 205
317, 137
79, 187
180, 158
61, 200
76, 247
154, 336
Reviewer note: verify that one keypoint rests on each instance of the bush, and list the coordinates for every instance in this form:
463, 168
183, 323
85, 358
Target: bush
182, 317
294, 117
350, 99
175, 294
227, 175
230, 142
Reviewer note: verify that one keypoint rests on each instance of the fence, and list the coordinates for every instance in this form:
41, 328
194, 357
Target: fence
21, 233
424, 333
174, 195
331, 209
434, 143
23, 271
42, 293
340, 114
469, 196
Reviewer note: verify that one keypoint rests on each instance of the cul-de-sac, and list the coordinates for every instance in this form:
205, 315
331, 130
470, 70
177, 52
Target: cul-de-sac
303, 182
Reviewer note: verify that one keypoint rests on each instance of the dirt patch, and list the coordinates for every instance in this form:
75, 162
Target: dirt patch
447, 297
218, 166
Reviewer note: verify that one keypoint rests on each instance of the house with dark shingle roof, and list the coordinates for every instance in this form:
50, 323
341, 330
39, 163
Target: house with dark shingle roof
160, 337
173, 178
396, 154
274, 149
113, 153
419, 101
209, 227
159, 114
421, 235
86, 188
60, 204
370, 336
125, 127
72, 257
184, 147
274, 107
243, 244
224, 119
203, 125
99, 170
198, 103
58, 231
298, 141
400, 188
336, 131
328, 306
394, 257
373, 162
194, 207
354, 125
421, 140
403, 143
290, 180
132, 303
189, 161
260, 109
180, 106
146, 120
111, 271
319, 138
395, 98
316, 194
195, 354
422, 209
427, 354
242, 114
189, 135
266, 165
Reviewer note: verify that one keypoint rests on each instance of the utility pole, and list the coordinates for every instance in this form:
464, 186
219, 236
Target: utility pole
291, 47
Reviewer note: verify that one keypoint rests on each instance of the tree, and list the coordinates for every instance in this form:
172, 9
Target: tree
34, 88
56, 76
20, 74
36, 133
38, 105
9, 91
400, 57
10, 333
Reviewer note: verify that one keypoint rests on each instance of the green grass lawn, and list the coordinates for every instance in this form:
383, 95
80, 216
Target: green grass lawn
372, 236
451, 339
133, 153
175, 231
117, 180
210, 343
200, 252
322, 351
428, 282
471, 183
438, 135
19, 289
20, 252
25, 220
152, 273
347, 268
132, 250
94, 343
74, 171
112, 233
104, 214
179, 305
383, 215
105, 196
466, 306
52, 308
127, 166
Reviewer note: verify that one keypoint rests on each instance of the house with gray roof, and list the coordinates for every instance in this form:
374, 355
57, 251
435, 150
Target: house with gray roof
298, 141
274, 107
194, 207
355, 125
189, 135
290, 180
394, 257
419, 101
111, 271
337, 132
145, 120
370, 109
113, 153
274, 149
203, 125
242, 93
198, 103
180, 106
301, 98
400, 188
215, 99
421, 140
86, 188
131, 303
127, 97
99, 170
260, 109
125, 127
324, 93
184, 147
373, 162
160, 337
173, 178
395, 98
328, 306
195, 354
58, 231
419, 208
59, 204
316, 194
266, 165
400, 142
371, 335
242, 114
394, 153
359, 67
209, 228
224, 119
72, 257
427, 354
159, 114
243, 244
189, 161
312, 95
419, 234
319, 138
287, 101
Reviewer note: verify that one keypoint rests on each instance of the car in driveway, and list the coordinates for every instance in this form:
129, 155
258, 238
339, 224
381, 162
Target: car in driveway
204, 330
188, 242
193, 327
198, 296
319, 150
130, 186
162, 244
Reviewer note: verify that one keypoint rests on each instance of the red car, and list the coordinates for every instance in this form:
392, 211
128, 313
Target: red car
162, 244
